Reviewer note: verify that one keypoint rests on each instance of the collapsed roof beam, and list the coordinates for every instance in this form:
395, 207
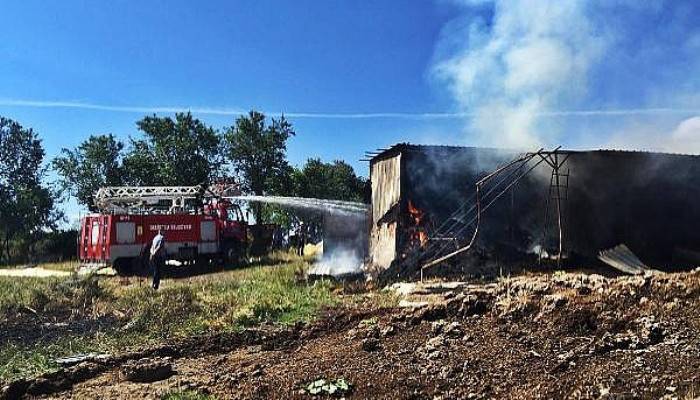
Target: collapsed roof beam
524, 159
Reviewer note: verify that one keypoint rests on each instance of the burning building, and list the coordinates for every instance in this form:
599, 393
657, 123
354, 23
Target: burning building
435, 202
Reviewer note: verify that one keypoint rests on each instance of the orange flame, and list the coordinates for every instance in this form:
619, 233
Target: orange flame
417, 231
423, 238
416, 214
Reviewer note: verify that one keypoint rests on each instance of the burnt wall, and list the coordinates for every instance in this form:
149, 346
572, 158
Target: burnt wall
648, 201
645, 200
437, 180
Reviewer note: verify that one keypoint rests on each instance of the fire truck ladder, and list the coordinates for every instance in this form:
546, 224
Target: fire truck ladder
167, 199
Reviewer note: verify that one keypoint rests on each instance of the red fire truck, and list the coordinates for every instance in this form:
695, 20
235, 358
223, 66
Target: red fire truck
198, 223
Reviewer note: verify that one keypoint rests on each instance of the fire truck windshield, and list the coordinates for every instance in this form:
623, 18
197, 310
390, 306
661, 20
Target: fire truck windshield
234, 213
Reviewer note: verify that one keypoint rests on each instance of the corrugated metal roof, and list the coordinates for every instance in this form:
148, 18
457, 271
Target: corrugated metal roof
405, 146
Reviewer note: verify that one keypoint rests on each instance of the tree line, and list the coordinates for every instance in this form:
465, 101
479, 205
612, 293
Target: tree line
180, 151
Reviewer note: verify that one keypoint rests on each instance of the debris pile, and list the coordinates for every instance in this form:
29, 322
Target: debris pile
147, 370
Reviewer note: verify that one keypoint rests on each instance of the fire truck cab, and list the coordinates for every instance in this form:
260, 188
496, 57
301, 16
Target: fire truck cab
198, 223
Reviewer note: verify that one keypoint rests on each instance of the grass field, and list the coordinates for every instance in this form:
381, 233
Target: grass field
54, 317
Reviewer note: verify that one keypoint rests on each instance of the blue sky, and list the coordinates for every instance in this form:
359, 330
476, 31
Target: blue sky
360, 75
298, 56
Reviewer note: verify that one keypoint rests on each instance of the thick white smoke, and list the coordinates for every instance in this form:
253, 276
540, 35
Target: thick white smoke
532, 57
519, 67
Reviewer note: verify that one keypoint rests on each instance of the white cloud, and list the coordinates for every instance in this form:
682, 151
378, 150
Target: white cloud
115, 108
686, 137
682, 137
493, 112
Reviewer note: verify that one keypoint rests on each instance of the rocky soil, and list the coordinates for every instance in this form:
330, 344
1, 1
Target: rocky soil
543, 336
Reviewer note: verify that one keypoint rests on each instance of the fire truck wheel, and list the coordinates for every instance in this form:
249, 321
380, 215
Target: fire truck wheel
202, 262
232, 254
144, 268
123, 266
141, 265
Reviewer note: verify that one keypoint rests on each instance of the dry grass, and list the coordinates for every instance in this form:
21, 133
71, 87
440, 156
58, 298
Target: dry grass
66, 266
69, 266
228, 300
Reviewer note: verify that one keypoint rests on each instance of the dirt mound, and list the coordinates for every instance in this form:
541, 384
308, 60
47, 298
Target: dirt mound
544, 336
147, 370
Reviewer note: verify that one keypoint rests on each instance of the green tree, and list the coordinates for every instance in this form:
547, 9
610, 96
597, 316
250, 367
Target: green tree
93, 164
258, 152
34, 214
183, 151
316, 179
336, 181
26, 205
140, 165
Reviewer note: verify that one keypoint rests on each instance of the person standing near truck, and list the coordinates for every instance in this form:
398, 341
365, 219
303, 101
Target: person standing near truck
157, 257
301, 239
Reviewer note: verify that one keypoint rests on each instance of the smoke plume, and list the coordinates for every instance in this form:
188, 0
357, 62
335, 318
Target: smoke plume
521, 69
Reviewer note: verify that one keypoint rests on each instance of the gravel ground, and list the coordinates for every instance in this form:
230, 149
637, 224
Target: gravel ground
545, 336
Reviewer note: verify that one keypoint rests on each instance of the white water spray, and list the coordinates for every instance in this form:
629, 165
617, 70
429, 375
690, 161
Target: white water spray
311, 204
347, 219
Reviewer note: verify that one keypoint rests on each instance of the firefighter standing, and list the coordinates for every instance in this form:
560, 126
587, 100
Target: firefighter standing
157, 257
301, 239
